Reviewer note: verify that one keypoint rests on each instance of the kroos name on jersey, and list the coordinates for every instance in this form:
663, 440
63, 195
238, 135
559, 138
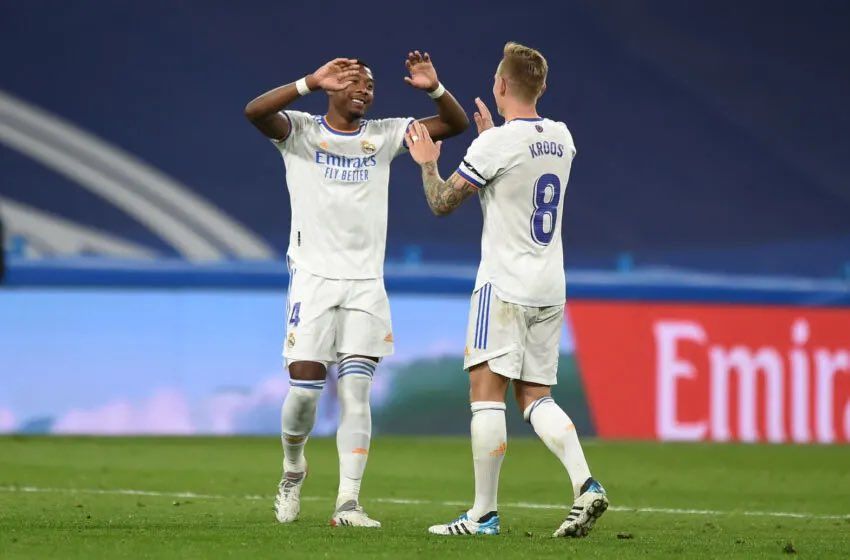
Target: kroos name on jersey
546, 149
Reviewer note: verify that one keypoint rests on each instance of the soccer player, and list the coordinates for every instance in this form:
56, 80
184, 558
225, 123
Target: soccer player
520, 172
337, 173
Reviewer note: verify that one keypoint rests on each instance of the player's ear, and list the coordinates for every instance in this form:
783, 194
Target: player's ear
503, 86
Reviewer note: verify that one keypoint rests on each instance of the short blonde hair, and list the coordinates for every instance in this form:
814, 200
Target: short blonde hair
526, 69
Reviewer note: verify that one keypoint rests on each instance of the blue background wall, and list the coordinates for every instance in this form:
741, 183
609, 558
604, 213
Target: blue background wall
711, 135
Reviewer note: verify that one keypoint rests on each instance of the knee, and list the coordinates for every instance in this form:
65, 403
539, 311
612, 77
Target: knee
355, 412
353, 395
359, 409
298, 412
484, 385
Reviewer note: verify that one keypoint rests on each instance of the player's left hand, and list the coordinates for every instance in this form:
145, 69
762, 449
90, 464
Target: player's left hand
422, 72
483, 118
422, 148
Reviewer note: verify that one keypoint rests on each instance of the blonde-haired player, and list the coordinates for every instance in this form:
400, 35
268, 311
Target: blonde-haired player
520, 172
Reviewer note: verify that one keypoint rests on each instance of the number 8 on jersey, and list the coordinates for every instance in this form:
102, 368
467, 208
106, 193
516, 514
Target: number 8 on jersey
547, 196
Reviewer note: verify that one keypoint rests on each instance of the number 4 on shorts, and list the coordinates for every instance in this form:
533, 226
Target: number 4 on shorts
294, 319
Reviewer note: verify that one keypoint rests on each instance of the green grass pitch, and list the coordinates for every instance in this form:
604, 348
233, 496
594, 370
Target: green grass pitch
68, 498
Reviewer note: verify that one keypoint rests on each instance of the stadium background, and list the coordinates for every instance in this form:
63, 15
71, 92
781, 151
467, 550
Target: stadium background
708, 211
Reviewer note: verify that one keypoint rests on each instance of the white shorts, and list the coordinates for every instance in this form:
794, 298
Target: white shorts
327, 319
516, 341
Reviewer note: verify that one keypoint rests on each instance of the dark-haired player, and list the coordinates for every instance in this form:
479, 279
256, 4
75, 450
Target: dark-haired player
337, 173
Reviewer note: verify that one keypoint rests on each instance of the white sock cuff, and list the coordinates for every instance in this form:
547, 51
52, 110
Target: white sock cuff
478, 406
533, 406
356, 365
307, 384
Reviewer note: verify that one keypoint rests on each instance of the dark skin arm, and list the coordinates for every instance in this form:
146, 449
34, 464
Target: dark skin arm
450, 119
264, 111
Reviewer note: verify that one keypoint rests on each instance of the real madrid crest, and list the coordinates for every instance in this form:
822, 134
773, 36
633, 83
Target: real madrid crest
368, 147
290, 340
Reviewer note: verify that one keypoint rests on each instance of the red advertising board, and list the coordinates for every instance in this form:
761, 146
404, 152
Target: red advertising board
715, 372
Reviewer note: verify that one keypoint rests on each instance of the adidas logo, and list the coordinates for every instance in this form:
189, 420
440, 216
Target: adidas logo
499, 450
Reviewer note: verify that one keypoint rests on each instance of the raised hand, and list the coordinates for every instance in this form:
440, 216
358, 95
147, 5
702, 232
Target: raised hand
422, 148
422, 72
483, 118
336, 74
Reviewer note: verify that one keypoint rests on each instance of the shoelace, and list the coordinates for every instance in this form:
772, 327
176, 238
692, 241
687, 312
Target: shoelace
287, 485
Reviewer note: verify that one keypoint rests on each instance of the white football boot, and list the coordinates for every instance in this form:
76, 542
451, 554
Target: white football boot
464, 526
587, 508
287, 503
351, 514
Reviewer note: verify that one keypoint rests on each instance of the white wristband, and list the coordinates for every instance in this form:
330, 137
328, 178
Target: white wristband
437, 92
301, 86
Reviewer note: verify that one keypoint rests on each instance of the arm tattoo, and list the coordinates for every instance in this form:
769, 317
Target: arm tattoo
444, 196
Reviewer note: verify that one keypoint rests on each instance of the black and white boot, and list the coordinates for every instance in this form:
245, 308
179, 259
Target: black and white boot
587, 508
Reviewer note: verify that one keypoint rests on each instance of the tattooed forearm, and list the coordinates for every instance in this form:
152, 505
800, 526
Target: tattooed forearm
444, 196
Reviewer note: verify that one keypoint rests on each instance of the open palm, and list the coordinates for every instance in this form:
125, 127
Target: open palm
483, 118
337, 74
422, 72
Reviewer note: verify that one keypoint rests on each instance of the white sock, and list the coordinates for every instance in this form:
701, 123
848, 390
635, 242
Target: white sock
355, 424
297, 417
559, 434
489, 443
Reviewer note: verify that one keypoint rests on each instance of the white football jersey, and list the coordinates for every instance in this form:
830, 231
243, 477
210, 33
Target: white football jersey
338, 189
522, 169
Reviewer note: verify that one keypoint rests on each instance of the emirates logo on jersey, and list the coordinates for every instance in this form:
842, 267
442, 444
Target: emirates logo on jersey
367, 147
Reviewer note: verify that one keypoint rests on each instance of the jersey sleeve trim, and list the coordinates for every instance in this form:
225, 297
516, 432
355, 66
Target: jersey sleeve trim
470, 179
404, 136
468, 172
288, 134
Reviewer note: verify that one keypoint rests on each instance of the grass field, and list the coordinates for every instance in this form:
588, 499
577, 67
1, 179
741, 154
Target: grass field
211, 498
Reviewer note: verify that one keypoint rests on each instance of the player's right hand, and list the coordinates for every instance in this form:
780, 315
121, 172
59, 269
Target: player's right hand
483, 118
336, 74
420, 145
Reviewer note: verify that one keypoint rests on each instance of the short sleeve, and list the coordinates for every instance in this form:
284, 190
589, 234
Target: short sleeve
395, 130
298, 122
482, 161
570, 140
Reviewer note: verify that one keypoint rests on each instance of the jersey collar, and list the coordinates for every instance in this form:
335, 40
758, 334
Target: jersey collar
333, 130
529, 119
